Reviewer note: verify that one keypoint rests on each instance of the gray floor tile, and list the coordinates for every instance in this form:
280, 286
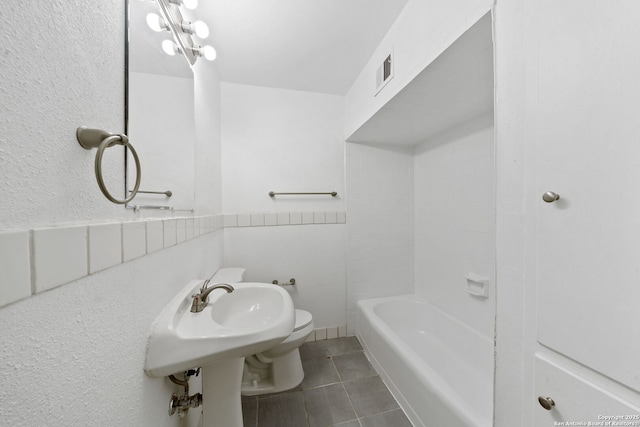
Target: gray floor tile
353, 365
354, 423
328, 405
343, 345
249, 411
266, 396
395, 418
340, 389
370, 396
313, 350
319, 372
282, 410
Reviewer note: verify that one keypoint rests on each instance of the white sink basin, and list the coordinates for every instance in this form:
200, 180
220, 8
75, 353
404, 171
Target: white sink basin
249, 320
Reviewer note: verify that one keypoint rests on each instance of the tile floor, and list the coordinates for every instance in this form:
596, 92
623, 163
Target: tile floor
340, 389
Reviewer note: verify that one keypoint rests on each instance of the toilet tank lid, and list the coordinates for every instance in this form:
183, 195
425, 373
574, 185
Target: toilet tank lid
303, 318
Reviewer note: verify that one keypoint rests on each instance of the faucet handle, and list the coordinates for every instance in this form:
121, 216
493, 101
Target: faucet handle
204, 286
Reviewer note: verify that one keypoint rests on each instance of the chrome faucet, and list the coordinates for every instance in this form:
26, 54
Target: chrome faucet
201, 300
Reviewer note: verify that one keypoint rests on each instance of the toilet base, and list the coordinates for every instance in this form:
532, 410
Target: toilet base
281, 374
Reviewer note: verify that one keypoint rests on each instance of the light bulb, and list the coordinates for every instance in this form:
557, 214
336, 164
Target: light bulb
208, 52
169, 47
190, 4
156, 23
200, 29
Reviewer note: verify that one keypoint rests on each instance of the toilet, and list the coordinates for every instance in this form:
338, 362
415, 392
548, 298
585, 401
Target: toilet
279, 368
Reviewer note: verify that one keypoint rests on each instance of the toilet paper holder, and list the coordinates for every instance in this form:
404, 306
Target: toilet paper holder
291, 282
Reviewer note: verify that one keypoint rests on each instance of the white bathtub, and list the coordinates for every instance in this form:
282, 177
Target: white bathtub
439, 370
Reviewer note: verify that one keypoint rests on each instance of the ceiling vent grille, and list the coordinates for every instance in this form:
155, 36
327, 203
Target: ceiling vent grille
384, 73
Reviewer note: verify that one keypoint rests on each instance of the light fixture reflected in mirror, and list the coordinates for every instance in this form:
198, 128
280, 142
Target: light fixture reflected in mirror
206, 52
157, 23
182, 30
170, 48
189, 4
198, 28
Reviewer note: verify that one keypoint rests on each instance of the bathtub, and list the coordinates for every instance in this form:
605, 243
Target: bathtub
439, 370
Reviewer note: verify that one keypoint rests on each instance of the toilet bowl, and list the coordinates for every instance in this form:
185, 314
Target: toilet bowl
279, 368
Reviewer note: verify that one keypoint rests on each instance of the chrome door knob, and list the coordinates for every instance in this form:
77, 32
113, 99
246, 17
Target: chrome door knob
550, 197
546, 402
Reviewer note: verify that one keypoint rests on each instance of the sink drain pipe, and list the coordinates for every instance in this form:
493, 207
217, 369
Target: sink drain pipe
181, 404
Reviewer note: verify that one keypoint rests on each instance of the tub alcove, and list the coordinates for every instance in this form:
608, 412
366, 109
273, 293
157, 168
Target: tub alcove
430, 337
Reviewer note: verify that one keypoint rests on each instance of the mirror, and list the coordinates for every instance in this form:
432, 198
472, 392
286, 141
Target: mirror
159, 114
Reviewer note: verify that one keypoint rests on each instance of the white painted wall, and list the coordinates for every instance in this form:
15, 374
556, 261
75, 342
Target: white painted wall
380, 230
312, 254
76, 352
281, 140
455, 220
286, 141
422, 31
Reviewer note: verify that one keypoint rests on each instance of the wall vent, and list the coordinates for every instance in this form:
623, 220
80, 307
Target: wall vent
384, 73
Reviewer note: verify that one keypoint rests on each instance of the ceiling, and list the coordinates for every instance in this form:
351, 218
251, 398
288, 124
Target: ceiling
309, 45
456, 87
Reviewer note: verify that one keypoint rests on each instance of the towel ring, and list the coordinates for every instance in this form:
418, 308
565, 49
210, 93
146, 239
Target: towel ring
100, 139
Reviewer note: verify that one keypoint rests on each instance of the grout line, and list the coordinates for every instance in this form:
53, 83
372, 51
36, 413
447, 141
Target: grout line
32, 264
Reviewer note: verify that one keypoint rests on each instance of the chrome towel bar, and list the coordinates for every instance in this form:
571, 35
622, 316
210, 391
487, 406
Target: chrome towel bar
273, 194
167, 193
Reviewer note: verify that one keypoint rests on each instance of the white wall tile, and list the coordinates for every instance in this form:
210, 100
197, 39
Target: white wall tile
319, 218
15, 276
283, 218
59, 256
189, 229
341, 217
170, 232
257, 219
204, 225
270, 219
105, 246
331, 217
244, 220
321, 334
307, 217
155, 236
134, 240
342, 331
332, 333
311, 337
231, 220
295, 218
181, 230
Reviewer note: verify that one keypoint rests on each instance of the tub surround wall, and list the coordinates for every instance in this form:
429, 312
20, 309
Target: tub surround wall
455, 220
287, 141
380, 229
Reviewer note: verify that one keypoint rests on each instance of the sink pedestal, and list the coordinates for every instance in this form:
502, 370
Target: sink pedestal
221, 399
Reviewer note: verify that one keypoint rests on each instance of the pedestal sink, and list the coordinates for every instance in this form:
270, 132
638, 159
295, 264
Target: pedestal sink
249, 320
